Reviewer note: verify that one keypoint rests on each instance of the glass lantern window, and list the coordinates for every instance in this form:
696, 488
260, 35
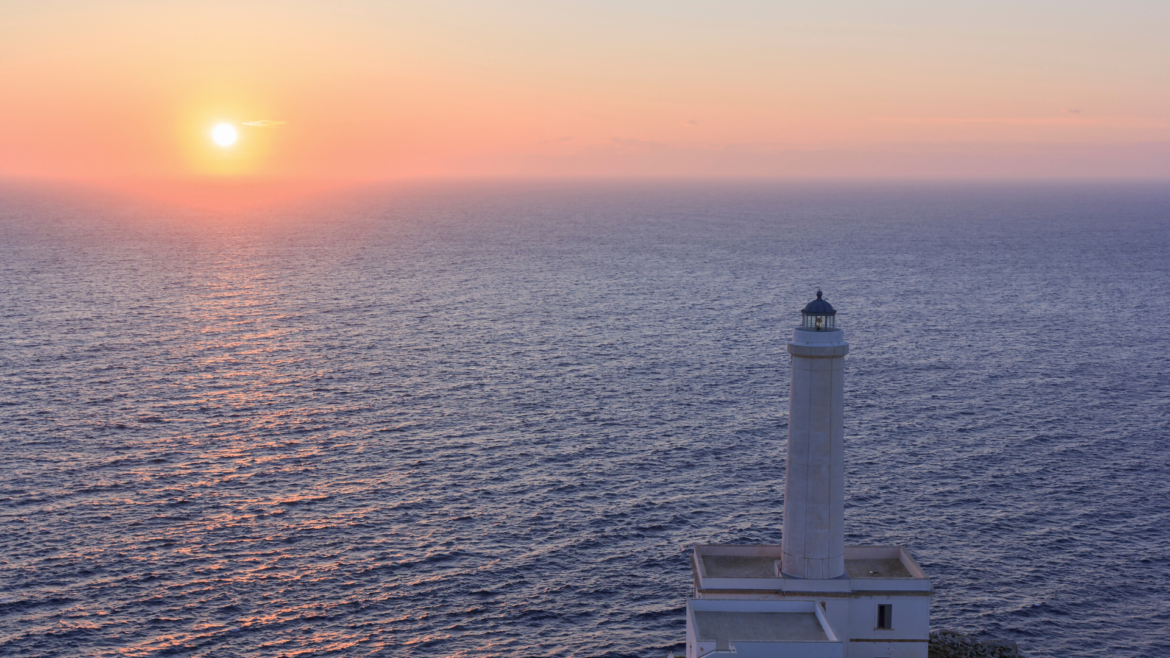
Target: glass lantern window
818, 322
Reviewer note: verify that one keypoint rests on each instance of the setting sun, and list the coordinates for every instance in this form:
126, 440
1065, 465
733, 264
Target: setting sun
514, 327
224, 135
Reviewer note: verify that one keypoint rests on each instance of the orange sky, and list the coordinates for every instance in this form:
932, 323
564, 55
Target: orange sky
373, 90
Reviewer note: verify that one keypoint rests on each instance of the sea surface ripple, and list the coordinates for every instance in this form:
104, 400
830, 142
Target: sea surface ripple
490, 419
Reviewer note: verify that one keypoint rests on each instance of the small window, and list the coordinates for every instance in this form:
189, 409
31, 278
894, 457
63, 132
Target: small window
885, 620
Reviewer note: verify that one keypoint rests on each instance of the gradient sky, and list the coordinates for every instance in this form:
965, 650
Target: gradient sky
370, 90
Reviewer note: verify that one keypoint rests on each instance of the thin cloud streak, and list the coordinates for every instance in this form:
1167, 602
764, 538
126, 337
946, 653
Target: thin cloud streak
264, 123
1072, 118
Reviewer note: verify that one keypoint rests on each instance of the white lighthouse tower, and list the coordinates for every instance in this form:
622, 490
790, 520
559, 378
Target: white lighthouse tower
814, 481
812, 596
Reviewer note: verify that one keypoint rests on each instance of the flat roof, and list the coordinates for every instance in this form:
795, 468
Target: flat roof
727, 627
747, 566
877, 568
759, 562
739, 566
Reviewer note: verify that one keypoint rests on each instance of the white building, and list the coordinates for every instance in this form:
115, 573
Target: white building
812, 595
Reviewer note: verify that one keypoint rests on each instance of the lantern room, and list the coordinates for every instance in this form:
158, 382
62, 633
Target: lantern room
819, 315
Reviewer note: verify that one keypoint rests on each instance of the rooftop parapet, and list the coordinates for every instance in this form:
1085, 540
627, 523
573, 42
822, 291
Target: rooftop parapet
727, 568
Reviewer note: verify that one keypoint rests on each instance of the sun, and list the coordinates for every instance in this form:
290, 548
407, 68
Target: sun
224, 135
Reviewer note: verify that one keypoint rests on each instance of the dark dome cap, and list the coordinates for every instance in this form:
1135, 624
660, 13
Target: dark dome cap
819, 306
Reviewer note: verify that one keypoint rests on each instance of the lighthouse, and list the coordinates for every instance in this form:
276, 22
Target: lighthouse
811, 596
813, 542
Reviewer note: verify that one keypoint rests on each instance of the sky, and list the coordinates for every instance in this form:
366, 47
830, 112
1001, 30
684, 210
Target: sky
364, 90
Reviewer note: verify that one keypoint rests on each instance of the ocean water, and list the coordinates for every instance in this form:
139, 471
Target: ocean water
490, 419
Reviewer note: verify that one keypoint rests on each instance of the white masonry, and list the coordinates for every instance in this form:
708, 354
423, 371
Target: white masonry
813, 542
812, 596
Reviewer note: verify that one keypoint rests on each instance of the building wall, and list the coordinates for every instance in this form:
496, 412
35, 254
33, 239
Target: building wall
853, 618
907, 639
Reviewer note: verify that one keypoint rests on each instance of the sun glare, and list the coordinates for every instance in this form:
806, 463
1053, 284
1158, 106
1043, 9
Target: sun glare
224, 135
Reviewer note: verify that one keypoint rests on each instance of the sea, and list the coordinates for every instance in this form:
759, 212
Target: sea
490, 418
